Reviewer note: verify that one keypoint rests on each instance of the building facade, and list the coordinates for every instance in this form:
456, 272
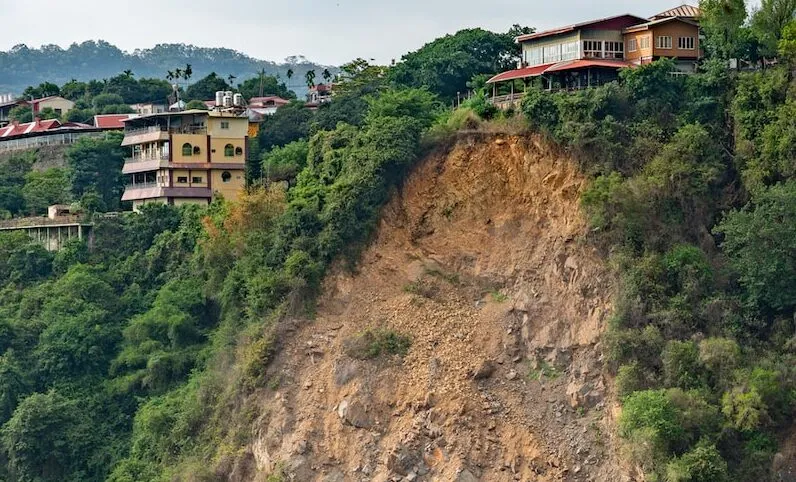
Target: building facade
57, 103
185, 157
592, 52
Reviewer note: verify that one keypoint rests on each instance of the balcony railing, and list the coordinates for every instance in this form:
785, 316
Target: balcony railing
142, 185
201, 130
136, 159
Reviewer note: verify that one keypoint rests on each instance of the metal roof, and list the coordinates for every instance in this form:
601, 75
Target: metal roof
523, 73
685, 10
576, 26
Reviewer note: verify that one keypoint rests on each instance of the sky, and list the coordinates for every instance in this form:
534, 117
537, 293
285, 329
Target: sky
326, 31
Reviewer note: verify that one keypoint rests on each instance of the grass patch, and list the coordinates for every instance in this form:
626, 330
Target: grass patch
375, 343
499, 297
545, 370
452, 278
421, 288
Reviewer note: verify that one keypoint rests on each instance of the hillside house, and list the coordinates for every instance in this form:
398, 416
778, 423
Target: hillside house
51, 132
591, 53
318, 95
147, 108
267, 105
185, 157
55, 102
112, 122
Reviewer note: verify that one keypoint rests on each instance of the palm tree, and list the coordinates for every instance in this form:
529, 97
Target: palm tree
128, 73
169, 75
230, 79
289, 74
327, 76
188, 72
310, 77
177, 73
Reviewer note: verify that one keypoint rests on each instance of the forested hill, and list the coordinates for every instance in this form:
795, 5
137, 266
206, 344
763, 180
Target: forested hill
22, 66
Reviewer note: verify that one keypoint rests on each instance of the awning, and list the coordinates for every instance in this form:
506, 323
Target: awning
588, 63
534, 71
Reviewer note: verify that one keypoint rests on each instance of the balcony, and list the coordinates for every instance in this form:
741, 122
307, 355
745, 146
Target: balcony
158, 133
153, 190
136, 164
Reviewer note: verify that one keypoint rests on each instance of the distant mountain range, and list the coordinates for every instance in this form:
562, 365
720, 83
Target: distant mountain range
22, 66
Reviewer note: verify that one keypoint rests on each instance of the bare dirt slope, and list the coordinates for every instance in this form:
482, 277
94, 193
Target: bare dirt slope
480, 261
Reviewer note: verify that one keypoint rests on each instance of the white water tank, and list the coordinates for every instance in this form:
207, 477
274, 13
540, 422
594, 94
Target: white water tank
219, 98
237, 99
227, 101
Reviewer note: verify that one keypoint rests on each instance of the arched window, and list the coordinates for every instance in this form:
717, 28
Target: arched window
229, 150
238, 151
226, 176
187, 149
196, 150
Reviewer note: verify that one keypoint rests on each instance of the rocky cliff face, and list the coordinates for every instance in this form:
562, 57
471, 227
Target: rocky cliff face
480, 261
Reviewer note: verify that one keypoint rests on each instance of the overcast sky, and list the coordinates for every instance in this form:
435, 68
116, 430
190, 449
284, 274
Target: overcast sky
326, 31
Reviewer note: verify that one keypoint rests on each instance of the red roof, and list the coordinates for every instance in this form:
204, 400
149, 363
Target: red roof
617, 22
321, 88
268, 100
538, 70
585, 63
13, 130
111, 121
534, 71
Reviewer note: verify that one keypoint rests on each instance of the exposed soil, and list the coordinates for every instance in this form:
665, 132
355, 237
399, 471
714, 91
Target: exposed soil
479, 259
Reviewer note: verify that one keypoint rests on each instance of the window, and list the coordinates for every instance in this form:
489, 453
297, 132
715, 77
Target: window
196, 150
614, 50
225, 124
534, 56
226, 176
632, 45
187, 150
569, 51
196, 180
663, 42
59, 112
552, 54
645, 42
229, 150
686, 43
238, 151
593, 48
182, 179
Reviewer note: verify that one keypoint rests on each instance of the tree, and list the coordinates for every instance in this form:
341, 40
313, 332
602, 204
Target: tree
104, 100
45, 89
310, 78
196, 104
327, 76
758, 240
770, 20
21, 113
47, 438
445, 65
95, 165
290, 123
722, 20
787, 45
206, 88
284, 163
45, 188
265, 85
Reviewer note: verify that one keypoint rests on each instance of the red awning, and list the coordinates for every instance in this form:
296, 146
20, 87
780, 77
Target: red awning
588, 63
534, 71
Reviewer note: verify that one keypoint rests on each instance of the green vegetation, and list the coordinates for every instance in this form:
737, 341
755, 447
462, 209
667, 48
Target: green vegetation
697, 216
376, 343
140, 358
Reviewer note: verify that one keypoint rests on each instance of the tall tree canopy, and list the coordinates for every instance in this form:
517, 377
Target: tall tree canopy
445, 65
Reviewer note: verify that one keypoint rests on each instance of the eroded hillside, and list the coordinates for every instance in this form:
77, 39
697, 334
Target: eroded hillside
480, 261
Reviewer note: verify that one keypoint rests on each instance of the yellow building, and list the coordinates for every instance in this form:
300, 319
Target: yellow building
185, 157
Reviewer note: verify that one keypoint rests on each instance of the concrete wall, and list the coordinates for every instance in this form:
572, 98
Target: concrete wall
230, 190
217, 149
238, 127
195, 140
57, 103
